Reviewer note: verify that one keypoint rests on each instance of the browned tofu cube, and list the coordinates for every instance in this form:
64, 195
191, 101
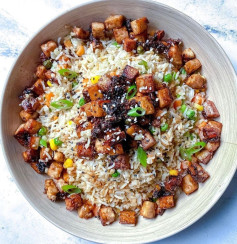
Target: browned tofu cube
175, 56
96, 210
120, 34
98, 30
148, 141
30, 155
46, 154
196, 81
38, 87
188, 54
202, 174
160, 34
172, 182
40, 72
86, 211
114, 136
204, 156
189, 185
82, 151
148, 210
107, 215
211, 131
212, 146
59, 157
94, 92
96, 44
134, 129
85, 126
65, 176
48, 47
166, 202
140, 37
165, 98
51, 189
146, 103
145, 83
94, 108
129, 45
30, 104
104, 83
139, 25
128, 218
192, 65
34, 166
122, 162
34, 142
73, 202
114, 21
130, 73
210, 110
22, 136
55, 170
32, 126
102, 147
80, 33
25, 116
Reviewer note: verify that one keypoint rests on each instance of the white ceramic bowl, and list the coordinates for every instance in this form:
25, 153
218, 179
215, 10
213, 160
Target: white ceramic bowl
222, 90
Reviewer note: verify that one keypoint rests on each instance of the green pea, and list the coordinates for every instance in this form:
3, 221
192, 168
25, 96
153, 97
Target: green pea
42, 131
190, 114
164, 127
168, 78
140, 49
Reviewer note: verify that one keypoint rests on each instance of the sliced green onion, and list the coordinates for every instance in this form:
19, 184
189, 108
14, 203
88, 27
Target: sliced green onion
132, 90
42, 131
74, 84
71, 189
164, 127
168, 78
82, 101
142, 156
190, 114
115, 174
116, 44
57, 142
183, 71
62, 104
174, 75
152, 130
183, 108
47, 64
187, 153
144, 63
178, 95
140, 49
136, 112
68, 73
43, 143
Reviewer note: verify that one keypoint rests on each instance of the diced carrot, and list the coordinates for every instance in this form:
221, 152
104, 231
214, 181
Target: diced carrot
48, 97
112, 73
68, 43
55, 117
80, 50
85, 82
202, 124
177, 104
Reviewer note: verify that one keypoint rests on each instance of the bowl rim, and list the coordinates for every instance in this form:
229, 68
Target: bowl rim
11, 70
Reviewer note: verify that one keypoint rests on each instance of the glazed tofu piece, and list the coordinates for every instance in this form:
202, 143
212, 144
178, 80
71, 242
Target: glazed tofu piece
204, 156
82, 151
210, 111
148, 141
39, 87
32, 126
22, 136
94, 108
59, 157
146, 103
104, 83
175, 56
73, 202
192, 65
130, 73
145, 83
48, 47
46, 154
211, 131
165, 98
80, 33
128, 218
148, 210
121, 162
102, 147
120, 34
140, 37
139, 25
55, 170
188, 54
34, 142
25, 116
198, 98
83, 127
98, 30
107, 215
114, 21
114, 136
30, 155
65, 176
96, 44
129, 44
196, 81
202, 174
40, 72
35, 167
94, 92
133, 130
212, 146
172, 182
166, 202
51, 189
86, 211
30, 104
189, 185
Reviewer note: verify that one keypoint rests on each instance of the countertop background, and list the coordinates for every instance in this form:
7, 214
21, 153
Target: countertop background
19, 222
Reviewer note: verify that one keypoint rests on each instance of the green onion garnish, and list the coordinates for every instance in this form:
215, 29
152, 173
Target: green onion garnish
115, 174
62, 104
43, 143
144, 63
188, 152
164, 127
74, 84
190, 114
68, 73
136, 112
183, 108
82, 101
152, 130
47, 64
142, 156
168, 78
71, 189
132, 90
183, 71
57, 141
42, 131
116, 44
178, 95
174, 75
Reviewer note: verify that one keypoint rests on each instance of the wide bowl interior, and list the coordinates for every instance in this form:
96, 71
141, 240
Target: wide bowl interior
221, 89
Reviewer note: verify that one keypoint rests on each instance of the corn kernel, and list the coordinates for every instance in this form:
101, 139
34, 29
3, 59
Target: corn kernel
174, 172
158, 187
49, 83
198, 107
68, 163
70, 122
95, 79
52, 145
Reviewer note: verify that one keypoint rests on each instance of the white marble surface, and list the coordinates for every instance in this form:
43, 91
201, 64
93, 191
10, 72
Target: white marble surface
19, 222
